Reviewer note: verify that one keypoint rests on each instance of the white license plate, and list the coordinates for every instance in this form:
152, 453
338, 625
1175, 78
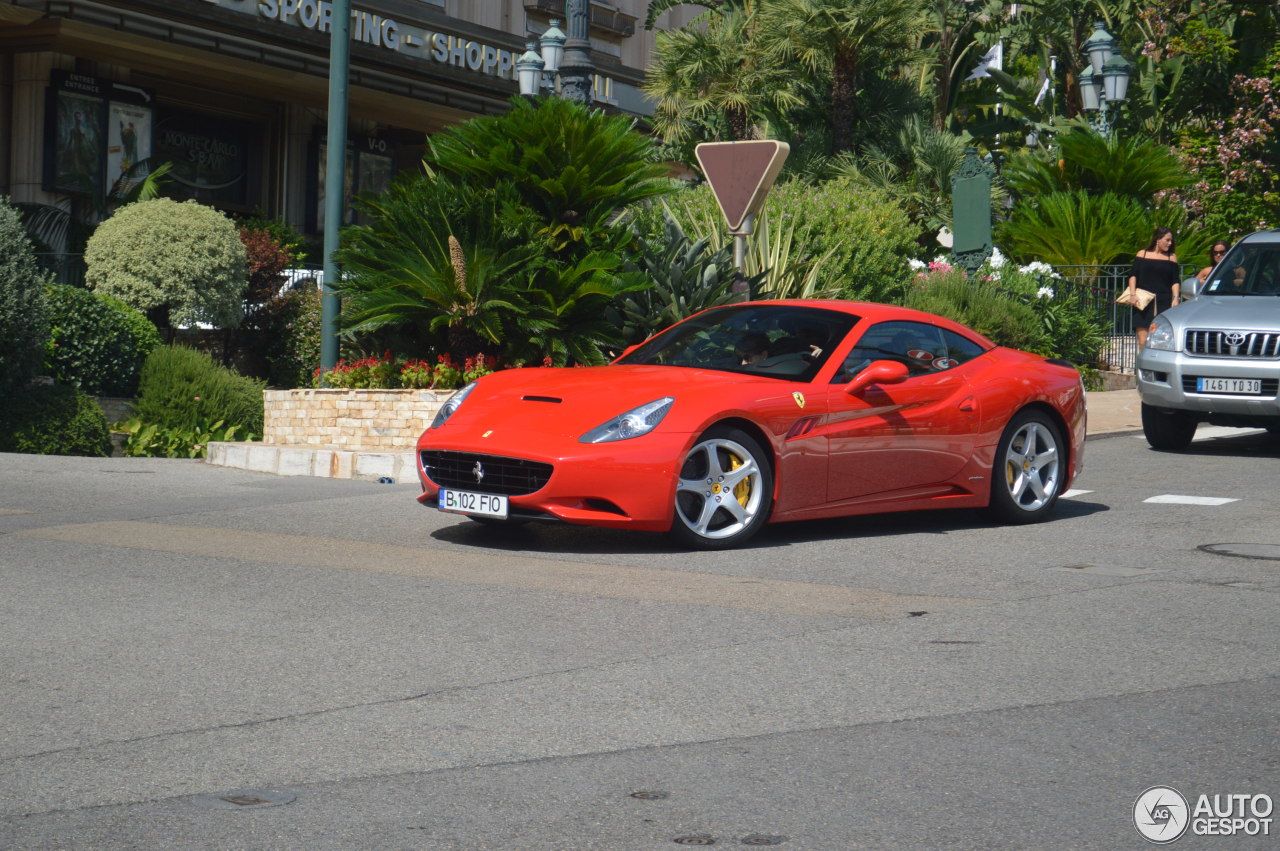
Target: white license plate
467, 502
1230, 385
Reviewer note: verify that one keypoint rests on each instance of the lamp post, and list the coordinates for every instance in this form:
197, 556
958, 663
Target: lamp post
1105, 81
576, 69
559, 63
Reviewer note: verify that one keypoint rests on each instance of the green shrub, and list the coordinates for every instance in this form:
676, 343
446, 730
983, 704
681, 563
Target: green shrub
53, 420
23, 324
1002, 317
292, 338
96, 342
153, 441
186, 259
182, 389
848, 242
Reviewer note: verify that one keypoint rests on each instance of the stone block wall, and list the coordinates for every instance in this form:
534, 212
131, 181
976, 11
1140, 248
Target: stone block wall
359, 420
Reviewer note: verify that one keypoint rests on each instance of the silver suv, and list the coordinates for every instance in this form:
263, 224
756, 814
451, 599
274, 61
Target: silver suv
1216, 358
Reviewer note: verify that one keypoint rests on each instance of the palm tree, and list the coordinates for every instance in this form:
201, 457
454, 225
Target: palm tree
844, 38
712, 75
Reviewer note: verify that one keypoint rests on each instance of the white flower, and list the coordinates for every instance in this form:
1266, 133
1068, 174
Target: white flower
1044, 292
916, 264
997, 259
1038, 267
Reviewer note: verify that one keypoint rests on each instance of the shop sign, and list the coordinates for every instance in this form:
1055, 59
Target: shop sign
387, 33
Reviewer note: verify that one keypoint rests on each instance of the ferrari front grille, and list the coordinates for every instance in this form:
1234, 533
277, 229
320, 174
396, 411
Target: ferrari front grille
1234, 344
471, 471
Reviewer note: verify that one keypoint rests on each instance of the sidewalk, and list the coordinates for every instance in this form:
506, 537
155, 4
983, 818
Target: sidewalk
1111, 412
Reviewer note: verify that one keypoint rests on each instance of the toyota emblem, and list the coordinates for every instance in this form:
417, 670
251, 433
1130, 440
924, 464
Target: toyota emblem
478, 472
1233, 338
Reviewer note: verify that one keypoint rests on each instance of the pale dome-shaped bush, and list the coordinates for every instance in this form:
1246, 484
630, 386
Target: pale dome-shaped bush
161, 253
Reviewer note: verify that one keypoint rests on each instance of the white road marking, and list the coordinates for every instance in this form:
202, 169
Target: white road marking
1211, 432
1074, 492
1179, 499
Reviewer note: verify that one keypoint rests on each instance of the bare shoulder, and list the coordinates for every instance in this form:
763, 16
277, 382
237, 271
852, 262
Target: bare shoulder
1173, 258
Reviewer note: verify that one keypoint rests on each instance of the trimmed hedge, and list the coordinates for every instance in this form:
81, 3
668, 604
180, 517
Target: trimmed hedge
182, 388
96, 342
53, 420
23, 325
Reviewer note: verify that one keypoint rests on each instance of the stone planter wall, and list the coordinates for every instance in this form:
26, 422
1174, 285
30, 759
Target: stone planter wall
356, 420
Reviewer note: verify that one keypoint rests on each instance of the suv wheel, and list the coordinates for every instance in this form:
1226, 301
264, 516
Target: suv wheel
1170, 431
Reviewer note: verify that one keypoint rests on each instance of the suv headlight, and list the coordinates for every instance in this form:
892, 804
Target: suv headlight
633, 423
1160, 335
451, 405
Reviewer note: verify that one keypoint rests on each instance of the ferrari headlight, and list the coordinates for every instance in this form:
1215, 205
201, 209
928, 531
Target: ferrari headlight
451, 405
633, 423
1160, 335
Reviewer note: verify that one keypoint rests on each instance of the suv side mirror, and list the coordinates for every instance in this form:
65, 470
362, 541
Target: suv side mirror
878, 372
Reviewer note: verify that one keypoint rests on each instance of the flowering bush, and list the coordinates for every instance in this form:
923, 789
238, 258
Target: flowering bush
389, 373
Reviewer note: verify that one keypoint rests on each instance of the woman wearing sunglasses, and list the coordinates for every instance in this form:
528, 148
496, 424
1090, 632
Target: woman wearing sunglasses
1216, 252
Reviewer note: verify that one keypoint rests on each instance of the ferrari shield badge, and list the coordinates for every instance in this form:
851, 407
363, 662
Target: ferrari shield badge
799, 397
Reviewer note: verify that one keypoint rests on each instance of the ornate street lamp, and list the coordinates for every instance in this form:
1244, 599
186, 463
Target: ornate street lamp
529, 68
1105, 81
576, 70
563, 64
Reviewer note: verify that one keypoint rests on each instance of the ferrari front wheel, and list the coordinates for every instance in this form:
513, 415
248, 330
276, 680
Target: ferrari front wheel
724, 492
1030, 467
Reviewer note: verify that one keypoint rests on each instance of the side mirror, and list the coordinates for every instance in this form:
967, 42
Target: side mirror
878, 372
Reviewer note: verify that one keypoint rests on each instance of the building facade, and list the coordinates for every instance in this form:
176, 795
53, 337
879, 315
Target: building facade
234, 93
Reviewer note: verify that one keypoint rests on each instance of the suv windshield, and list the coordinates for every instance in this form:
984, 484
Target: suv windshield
1249, 269
774, 341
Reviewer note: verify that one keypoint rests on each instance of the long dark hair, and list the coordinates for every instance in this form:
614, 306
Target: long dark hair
1155, 237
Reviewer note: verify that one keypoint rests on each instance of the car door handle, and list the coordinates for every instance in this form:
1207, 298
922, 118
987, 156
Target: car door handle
966, 404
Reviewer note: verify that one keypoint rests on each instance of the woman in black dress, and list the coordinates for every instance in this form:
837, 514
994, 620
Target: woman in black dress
1155, 270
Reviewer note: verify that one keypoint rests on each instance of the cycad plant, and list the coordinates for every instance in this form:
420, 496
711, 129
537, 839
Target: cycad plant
508, 242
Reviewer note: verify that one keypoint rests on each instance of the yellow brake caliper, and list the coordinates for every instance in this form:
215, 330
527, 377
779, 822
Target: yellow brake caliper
742, 490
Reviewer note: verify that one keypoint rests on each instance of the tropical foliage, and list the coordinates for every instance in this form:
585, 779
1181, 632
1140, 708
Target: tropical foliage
509, 242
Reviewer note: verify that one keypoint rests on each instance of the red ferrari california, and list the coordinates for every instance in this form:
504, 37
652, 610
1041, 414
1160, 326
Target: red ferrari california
759, 413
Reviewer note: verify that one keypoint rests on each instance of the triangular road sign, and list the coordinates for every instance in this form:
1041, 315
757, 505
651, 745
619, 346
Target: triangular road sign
740, 174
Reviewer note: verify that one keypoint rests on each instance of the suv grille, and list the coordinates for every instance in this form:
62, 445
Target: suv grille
504, 476
1234, 344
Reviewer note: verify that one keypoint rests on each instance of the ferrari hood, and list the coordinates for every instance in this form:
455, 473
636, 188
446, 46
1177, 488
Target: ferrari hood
571, 401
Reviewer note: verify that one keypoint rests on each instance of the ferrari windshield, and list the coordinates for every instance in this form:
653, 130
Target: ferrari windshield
1249, 269
775, 341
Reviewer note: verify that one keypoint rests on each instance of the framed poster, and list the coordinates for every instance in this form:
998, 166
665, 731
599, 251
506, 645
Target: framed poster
95, 131
128, 142
370, 166
77, 155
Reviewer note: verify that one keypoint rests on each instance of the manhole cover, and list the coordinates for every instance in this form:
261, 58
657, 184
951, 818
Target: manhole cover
246, 799
644, 795
1266, 552
761, 839
699, 839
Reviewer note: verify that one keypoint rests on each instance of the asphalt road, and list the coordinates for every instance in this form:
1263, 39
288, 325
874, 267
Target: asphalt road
198, 657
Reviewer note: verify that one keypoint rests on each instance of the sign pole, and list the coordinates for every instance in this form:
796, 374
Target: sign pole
335, 182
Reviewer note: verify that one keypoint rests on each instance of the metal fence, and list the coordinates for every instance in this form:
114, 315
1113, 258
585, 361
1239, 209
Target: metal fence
1095, 288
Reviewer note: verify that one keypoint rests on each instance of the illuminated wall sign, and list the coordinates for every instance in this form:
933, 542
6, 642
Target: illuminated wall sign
389, 34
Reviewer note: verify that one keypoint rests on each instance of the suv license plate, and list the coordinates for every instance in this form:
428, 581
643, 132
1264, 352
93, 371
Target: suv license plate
1250, 386
467, 502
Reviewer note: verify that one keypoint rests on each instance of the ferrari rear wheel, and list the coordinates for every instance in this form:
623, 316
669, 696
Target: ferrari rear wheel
1029, 469
724, 492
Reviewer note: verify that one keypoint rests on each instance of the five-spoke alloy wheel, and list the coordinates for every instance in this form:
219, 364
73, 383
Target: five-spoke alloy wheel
1029, 469
724, 492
